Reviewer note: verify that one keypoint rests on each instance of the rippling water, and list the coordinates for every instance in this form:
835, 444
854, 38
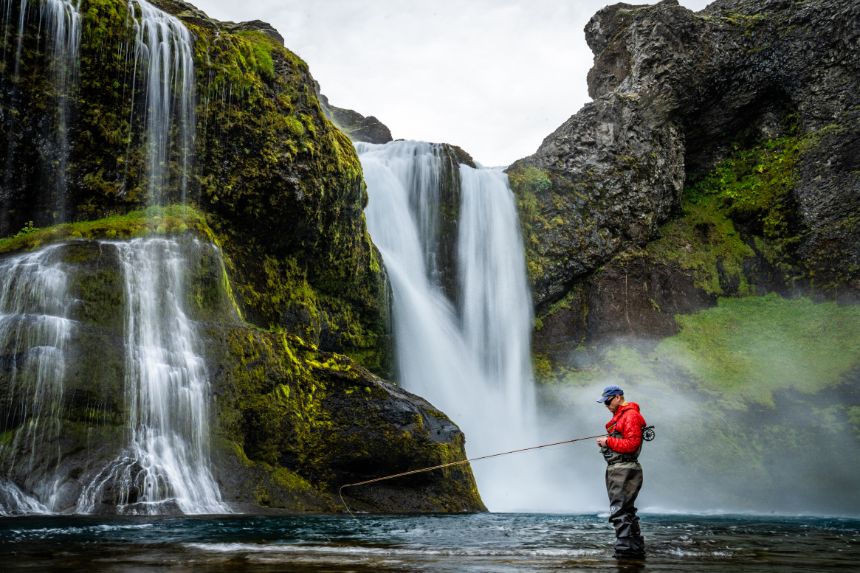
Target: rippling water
483, 543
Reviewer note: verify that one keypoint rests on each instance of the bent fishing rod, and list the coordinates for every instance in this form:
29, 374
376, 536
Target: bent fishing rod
647, 435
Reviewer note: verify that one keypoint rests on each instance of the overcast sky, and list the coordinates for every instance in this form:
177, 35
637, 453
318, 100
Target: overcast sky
492, 76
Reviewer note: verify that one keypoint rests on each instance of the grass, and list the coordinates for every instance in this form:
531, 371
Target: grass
743, 351
748, 348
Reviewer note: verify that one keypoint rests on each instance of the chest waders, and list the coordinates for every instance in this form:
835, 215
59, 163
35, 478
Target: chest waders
623, 482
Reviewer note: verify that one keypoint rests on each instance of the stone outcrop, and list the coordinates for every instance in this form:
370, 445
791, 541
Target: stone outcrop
356, 126
719, 153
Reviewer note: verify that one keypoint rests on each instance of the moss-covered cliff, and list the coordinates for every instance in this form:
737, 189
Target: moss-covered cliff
701, 169
291, 423
285, 285
280, 183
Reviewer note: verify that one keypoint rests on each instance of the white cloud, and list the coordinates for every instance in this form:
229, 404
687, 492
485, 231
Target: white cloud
492, 76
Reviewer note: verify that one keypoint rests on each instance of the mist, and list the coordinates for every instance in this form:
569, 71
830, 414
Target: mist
713, 453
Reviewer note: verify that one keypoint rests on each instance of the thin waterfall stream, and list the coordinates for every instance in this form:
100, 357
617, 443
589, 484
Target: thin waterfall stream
166, 465
34, 331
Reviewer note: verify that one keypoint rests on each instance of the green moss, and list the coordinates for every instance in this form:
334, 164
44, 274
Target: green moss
754, 184
6, 437
173, 219
743, 351
705, 241
542, 366
565, 303
276, 400
751, 189
291, 481
751, 347
259, 52
527, 183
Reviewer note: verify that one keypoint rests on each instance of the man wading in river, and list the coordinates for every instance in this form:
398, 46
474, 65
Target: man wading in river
623, 474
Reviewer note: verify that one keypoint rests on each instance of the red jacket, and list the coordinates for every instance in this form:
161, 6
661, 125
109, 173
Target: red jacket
629, 423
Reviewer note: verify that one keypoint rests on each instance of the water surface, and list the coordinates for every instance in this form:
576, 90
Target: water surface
484, 543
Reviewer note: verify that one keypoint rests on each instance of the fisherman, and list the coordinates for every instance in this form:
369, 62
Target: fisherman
623, 474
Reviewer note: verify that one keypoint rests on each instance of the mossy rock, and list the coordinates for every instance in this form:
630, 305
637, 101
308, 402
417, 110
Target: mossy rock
276, 179
299, 423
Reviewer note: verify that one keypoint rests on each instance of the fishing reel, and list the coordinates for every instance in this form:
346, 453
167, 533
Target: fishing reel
648, 433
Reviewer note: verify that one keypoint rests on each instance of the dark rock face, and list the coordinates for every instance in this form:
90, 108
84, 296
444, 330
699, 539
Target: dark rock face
607, 177
676, 95
353, 124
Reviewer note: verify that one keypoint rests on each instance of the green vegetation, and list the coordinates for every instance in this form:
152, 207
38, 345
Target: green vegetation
749, 348
743, 351
748, 192
172, 219
527, 183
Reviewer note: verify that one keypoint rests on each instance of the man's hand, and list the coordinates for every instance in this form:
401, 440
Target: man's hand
601, 442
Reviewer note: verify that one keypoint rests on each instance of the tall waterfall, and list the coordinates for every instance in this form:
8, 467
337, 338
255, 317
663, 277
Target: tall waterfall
471, 358
34, 332
167, 461
165, 59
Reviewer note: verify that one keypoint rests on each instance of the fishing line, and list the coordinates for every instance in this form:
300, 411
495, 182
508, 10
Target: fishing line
457, 463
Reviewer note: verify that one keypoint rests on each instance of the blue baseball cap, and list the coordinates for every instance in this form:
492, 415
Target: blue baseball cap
609, 392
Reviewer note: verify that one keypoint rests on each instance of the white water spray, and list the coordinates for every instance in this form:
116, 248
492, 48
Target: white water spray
164, 57
34, 332
473, 362
167, 463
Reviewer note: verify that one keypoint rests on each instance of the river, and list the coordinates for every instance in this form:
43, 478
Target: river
485, 543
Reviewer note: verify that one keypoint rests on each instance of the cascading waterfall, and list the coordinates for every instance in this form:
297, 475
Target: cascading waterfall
19, 46
166, 465
473, 362
34, 331
164, 58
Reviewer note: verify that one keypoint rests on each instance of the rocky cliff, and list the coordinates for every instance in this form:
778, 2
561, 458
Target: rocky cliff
693, 234
294, 318
718, 157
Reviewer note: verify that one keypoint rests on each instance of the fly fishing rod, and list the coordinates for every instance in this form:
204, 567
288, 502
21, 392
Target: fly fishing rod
457, 463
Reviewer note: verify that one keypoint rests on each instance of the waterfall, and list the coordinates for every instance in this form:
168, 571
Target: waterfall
471, 359
164, 57
61, 22
63, 19
19, 46
167, 463
34, 331
166, 466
